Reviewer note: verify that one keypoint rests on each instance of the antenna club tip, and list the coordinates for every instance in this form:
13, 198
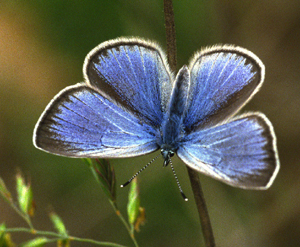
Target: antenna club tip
123, 185
184, 197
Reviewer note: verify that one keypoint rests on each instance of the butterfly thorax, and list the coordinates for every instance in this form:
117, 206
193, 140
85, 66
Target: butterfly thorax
172, 128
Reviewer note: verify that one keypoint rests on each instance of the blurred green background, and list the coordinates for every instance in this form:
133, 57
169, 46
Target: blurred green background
42, 48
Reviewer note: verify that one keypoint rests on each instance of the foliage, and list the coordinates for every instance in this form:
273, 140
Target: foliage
104, 174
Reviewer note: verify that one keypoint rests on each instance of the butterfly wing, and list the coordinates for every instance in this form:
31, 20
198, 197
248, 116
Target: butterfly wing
79, 122
223, 79
117, 112
241, 153
133, 73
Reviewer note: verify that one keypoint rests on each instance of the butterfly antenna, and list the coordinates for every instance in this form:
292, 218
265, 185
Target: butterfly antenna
128, 182
177, 181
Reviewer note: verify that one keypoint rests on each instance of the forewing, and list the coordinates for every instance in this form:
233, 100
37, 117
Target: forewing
223, 79
241, 153
79, 122
133, 74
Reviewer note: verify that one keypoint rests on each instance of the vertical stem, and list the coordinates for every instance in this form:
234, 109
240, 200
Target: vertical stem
170, 34
193, 175
202, 209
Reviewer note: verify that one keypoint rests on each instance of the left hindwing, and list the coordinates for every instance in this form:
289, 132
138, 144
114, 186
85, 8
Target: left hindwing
79, 122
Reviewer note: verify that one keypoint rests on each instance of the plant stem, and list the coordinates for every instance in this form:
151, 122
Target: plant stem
23, 215
193, 175
170, 34
59, 236
113, 203
118, 213
202, 209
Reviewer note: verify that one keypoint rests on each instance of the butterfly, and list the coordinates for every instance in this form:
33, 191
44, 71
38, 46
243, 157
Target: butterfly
131, 104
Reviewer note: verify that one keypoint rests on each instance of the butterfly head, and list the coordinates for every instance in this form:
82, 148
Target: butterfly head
167, 154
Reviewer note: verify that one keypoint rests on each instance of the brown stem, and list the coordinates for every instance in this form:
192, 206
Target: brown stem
202, 209
193, 175
170, 34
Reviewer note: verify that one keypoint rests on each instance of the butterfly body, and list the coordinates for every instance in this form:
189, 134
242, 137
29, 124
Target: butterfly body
131, 105
172, 129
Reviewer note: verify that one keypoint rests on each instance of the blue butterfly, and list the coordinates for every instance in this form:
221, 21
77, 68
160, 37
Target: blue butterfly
131, 104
